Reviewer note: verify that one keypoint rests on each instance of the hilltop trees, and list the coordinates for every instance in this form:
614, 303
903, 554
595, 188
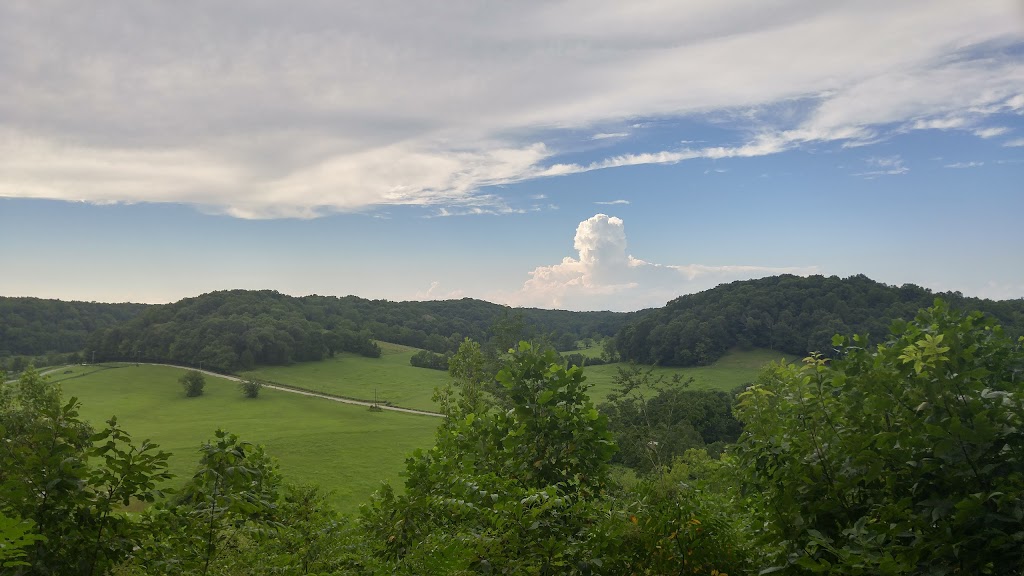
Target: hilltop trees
907, 458
786, 313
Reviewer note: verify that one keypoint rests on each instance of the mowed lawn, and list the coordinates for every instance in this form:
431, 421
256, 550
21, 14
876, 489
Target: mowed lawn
390, 377
343, 448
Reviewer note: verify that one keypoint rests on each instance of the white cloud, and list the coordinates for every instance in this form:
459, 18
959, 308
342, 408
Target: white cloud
991, 132
435, 292
886, 166
972, 164
613, 202
939, 123
607, 135
1014, 143
303, 109
604, 276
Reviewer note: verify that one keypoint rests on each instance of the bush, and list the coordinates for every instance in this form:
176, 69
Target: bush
428, 359
250, 388
193, 382
902, 459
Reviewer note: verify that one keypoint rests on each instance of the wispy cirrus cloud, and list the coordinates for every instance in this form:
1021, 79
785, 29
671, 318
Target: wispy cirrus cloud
311, 108
886, 166
991, 132
971, 164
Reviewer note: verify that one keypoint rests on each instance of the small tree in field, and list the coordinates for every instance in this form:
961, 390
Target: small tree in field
250, 388
193, 382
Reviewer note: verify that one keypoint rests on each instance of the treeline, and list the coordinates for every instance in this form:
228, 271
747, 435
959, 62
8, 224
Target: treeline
237, 329
790, 314
230, 331
36, 327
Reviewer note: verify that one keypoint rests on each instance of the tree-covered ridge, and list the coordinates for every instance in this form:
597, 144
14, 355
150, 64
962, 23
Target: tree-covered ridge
237, 329
790, 314
34, 326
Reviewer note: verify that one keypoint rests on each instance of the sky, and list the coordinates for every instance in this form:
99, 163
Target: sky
572, 154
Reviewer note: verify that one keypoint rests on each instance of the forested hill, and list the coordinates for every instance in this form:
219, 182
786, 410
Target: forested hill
787, 313
34, 326
236, 329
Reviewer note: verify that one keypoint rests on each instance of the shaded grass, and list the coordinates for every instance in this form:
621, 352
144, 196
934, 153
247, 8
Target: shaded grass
343, 448
391, 377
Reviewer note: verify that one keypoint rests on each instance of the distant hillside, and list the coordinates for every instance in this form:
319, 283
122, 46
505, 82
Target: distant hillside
33, 326
237, 329
790, 314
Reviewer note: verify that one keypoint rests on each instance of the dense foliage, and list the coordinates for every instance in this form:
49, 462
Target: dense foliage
61, 485
654, 421
905, 458
33, 326
787, 313
237, 329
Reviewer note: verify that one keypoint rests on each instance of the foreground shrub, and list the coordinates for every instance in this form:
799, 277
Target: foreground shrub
903, 459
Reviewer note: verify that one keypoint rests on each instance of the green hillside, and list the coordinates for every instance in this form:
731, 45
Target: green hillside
346, 449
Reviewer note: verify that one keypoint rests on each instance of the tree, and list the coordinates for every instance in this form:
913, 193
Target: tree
905, 458
62, 487
503, 491
193, 382
250, 388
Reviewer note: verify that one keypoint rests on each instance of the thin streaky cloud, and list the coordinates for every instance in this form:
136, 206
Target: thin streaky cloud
991, 132
612, 202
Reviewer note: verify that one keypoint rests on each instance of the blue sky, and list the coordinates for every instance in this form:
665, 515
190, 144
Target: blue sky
570, 154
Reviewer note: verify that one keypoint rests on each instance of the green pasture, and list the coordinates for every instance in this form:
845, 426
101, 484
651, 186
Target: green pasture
343, 448
391, 377
402, 384
734, 369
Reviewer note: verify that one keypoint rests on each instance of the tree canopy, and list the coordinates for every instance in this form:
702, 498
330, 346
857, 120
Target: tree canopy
790, 314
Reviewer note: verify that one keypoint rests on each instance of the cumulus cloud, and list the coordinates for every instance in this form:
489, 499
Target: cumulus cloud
603, 276
435, 292
308, 108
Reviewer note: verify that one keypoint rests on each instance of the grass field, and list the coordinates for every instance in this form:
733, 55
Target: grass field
395, 380
734, 369
391, 376
343, 448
